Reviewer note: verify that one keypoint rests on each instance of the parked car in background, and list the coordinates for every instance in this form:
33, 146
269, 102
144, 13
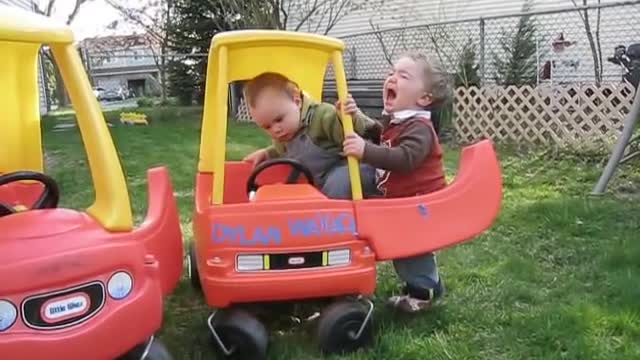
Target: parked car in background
98, 92
113, 94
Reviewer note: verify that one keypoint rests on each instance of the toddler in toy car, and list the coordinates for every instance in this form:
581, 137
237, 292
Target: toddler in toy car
305, 130
408, 159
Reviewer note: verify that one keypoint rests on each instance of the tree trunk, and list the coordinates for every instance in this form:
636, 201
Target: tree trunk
163, 52
598, 42
594, 49
163, 72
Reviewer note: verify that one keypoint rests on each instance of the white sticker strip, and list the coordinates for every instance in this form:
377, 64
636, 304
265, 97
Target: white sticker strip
63, 308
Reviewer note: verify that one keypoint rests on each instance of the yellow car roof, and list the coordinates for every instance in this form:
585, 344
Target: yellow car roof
244, 38
20, 25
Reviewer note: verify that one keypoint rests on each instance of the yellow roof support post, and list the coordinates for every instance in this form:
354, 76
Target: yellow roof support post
112, 204
347, 125
220, 135
20, 138
22, 33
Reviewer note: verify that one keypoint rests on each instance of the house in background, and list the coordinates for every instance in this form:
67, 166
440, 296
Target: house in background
43, 98
391, 14
400, 23
127, 62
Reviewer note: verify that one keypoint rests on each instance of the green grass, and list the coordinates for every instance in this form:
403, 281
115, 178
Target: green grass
556, 277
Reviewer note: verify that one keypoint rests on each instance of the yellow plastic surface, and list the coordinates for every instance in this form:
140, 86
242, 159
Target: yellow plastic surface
341, 86
21, 35
112, 205
20, 25
244, 54
20, 139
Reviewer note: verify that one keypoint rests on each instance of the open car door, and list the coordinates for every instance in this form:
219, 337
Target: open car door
404, 227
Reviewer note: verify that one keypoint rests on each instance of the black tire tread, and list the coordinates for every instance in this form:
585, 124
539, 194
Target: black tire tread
255, 336
158, 351
333, 315
194, 276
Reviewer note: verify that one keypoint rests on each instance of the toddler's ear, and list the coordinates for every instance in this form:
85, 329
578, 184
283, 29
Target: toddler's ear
425, 100
297, 99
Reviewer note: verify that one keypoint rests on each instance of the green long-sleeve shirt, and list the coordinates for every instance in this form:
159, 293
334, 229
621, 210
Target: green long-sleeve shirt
322, 124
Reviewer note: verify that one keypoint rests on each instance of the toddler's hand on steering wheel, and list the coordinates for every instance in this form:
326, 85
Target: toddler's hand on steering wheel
256, 157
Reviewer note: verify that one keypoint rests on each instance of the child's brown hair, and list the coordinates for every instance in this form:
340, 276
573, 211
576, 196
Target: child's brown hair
255, 86
435, 77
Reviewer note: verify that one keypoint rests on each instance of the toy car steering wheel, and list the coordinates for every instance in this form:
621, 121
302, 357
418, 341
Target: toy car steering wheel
47, 200
291, 179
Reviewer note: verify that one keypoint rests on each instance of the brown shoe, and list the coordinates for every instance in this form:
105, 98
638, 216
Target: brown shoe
409, 304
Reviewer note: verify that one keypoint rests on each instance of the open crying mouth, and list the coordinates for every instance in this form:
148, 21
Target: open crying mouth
391, 95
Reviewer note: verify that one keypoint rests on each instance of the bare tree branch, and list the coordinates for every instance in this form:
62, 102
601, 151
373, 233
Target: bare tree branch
75, 10
308, 14
284, 13
275, 7
334, 18
322, 16
598, 16
140, 17
439, 34
50, 7
319, 22
579, 13
48, 11
595, 48
388, 55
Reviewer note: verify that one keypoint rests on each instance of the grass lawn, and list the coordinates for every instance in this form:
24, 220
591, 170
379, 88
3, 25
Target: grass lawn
556, 277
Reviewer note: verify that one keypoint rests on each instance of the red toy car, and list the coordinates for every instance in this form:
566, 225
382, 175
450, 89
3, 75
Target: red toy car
75, 284
287, 241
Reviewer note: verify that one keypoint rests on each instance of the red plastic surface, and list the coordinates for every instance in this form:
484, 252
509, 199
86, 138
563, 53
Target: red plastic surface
394, 228
45, 251
20, 193
274, 225
224, 286
279, 192
398, 228
161, 231
236, 175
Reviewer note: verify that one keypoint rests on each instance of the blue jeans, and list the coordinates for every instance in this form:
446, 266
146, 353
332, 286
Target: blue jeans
338, 185
419, 272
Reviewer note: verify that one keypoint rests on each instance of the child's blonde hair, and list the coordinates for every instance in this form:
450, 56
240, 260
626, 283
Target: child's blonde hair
255, 86
435, 77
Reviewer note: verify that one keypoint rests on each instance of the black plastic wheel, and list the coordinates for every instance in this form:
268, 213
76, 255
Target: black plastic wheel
242, 334
157, 351
338, 326
194, 275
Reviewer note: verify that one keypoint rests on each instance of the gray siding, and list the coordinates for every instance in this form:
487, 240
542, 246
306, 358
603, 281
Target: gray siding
400, 13
25, 4
364, 58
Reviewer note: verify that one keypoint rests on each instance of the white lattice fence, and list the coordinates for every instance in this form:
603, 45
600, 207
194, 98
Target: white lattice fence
561, 115
242, 114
